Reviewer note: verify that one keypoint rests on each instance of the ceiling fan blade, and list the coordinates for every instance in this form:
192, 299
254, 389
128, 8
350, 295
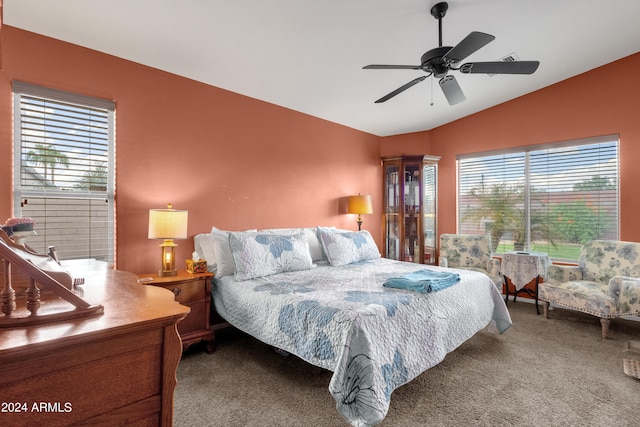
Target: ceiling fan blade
500, 67
401, 89
451, 89
474, 41
391, 67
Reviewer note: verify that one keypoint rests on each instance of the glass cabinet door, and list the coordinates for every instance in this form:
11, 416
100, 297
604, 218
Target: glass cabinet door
429, 210
392, 211
411, 212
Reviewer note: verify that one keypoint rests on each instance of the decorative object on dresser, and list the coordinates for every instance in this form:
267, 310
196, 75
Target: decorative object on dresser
470, 252
19, 229
360, 205
115, 369
15, 225
410, 208
605, 283
194, 291
168, 224
41, 271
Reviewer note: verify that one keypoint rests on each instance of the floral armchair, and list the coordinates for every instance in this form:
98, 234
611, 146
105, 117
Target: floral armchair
470, 252
605, 283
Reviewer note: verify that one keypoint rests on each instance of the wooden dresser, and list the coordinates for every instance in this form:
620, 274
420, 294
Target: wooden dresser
115, 368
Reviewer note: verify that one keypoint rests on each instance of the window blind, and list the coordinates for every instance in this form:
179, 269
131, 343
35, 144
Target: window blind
64, 170
551, 197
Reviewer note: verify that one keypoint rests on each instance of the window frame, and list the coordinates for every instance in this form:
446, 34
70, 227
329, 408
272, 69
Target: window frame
20, 193
526, 151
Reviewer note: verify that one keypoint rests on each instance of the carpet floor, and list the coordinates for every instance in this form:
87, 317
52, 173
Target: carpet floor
551, 372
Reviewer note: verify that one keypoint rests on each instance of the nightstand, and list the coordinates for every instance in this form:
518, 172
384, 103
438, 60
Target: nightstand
194, 291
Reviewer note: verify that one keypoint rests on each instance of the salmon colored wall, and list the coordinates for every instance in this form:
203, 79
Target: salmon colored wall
600, 102
232, 161
417, 143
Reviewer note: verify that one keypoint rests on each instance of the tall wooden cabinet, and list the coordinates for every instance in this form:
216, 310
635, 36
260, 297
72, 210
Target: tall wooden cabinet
410, 208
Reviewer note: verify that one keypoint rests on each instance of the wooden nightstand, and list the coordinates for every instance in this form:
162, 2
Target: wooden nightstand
194, 291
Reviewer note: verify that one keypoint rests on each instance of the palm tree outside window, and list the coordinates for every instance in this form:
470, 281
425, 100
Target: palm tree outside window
49, 158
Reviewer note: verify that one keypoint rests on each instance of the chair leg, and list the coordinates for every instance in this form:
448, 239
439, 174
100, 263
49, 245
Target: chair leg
545, 307
605, 327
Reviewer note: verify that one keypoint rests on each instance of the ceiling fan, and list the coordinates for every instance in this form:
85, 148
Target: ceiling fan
439, 61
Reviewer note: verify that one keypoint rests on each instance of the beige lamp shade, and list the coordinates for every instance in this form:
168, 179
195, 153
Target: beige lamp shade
168, 223
360, 205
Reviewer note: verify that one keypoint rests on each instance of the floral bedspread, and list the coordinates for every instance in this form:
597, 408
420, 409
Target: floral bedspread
373, 338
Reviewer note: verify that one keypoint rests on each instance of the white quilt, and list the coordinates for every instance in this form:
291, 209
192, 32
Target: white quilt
373, 338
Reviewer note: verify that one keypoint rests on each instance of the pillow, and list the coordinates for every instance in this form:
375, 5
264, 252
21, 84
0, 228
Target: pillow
315, 247
204, 244
327, 229
225, 266
346, 247
262, 254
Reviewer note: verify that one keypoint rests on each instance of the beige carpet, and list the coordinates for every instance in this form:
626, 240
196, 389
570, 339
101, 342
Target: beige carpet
540, 372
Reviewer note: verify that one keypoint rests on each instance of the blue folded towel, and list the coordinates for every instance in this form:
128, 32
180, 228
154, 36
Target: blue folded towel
423, 281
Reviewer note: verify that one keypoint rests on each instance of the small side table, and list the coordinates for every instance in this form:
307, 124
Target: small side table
522, 268
194, 291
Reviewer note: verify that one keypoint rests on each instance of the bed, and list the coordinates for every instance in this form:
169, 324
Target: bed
325, 299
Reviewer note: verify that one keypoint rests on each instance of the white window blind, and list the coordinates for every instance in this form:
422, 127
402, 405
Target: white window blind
64, 170
551, 198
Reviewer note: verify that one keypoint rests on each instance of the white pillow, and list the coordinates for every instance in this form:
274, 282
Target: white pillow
225, 266
346, 247
315, 246
204, 244
264, 253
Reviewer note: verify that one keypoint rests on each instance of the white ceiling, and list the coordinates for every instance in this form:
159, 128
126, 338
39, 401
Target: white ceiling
307, 55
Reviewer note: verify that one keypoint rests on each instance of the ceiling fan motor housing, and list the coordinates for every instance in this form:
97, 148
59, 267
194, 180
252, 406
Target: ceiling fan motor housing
432, 61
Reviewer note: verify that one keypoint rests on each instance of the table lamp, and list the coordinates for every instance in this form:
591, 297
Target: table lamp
360, 205
168, 224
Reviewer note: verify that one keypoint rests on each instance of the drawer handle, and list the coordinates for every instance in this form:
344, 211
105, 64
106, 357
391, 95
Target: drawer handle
176, 291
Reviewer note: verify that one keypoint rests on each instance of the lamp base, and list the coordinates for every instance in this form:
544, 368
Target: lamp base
167, 273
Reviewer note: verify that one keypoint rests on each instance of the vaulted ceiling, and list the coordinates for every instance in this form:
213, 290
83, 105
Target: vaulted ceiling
307, 55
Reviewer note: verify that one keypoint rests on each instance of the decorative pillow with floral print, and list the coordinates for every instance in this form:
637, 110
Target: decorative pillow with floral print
262, 254
347, 247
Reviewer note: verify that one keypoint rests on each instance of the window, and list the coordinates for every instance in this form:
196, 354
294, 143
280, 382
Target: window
550, 198
64, 170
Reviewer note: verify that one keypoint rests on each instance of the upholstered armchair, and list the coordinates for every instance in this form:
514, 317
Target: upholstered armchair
470, 252
605, 283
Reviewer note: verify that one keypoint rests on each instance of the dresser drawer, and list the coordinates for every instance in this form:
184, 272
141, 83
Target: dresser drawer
189, 291
106, 377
